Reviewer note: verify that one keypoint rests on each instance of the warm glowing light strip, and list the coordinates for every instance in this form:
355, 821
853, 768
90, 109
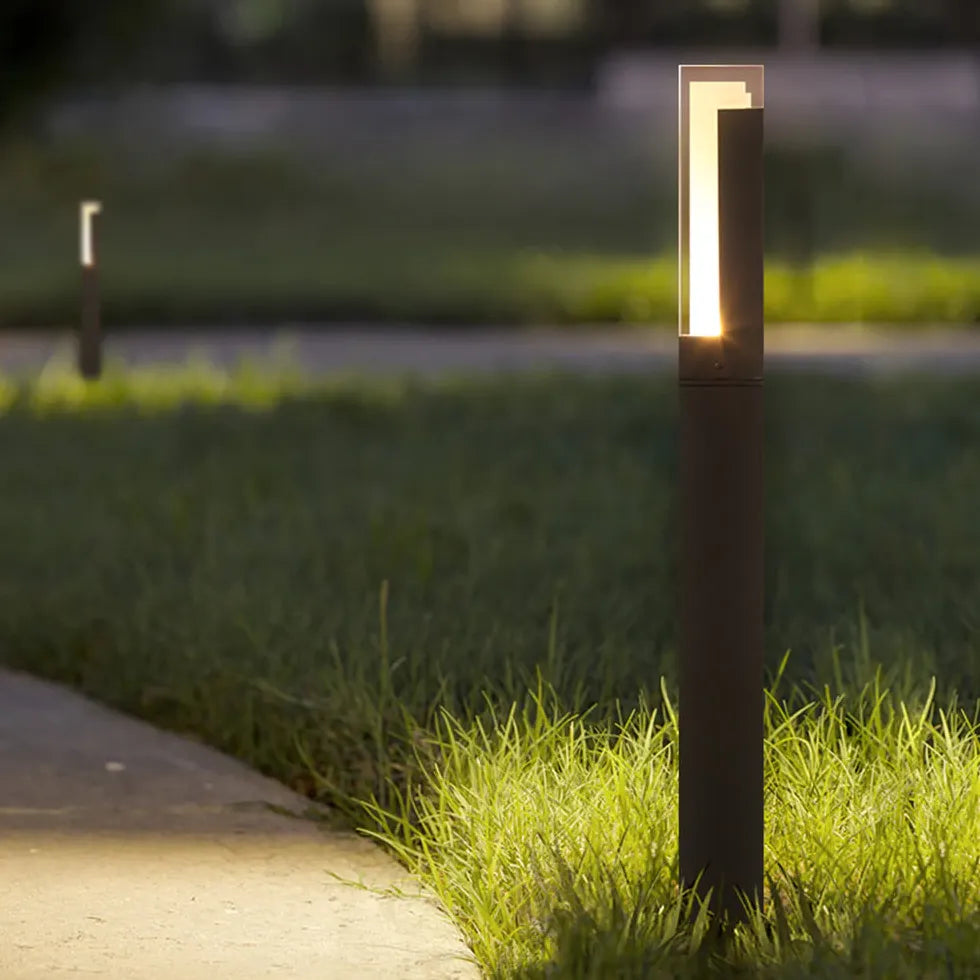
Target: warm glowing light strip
704, 101
88, 210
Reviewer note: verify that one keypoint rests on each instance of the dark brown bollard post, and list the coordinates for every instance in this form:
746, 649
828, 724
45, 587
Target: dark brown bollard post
90, 331
721, 486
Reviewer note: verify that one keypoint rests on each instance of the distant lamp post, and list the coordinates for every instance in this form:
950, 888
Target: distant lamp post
721, 484
90, 331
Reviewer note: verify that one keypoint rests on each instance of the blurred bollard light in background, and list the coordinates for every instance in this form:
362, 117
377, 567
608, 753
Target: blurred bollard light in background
90, 331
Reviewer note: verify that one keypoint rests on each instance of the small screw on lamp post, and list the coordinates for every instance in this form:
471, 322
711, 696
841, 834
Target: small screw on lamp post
90, 332
721, 830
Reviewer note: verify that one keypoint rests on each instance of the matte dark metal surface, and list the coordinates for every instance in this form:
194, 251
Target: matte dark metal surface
740, 236
721, 662
721, 826
90, 331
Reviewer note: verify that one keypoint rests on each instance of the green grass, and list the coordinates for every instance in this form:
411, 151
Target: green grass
534, 235
447, 610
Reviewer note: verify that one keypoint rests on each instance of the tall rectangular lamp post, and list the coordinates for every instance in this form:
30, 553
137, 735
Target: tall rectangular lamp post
90, 330
721, 484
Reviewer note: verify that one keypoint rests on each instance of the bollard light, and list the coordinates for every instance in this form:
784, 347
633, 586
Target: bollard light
721, 484
90, 330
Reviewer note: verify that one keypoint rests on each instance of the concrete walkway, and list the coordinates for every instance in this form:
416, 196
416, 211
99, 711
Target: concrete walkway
132, 854
840, 349
129, 853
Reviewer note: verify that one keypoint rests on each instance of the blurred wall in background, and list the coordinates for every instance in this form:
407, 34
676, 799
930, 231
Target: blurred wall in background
300, 70
441, 42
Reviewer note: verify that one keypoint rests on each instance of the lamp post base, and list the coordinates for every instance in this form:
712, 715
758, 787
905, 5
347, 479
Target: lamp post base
90, 334
721, 652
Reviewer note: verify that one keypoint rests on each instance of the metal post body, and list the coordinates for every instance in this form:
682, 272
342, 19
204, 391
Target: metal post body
90, 330
721, 832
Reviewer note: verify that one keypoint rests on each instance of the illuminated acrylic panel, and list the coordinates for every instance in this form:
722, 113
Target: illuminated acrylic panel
87, 211
704, 90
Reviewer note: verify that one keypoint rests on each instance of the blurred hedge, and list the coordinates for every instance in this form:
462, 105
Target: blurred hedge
542, 234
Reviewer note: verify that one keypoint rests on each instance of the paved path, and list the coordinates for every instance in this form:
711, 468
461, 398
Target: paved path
351, 349
128, 852
132, 854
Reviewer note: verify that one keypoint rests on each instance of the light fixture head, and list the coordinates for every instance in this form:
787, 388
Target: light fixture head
87, 212
706, 93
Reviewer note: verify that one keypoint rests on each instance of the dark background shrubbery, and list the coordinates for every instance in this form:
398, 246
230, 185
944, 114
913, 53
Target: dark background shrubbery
44, 42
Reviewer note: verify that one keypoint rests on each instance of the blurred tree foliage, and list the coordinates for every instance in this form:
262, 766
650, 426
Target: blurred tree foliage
46, 45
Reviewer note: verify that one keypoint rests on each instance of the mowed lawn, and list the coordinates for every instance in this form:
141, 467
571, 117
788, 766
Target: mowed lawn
448, 610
